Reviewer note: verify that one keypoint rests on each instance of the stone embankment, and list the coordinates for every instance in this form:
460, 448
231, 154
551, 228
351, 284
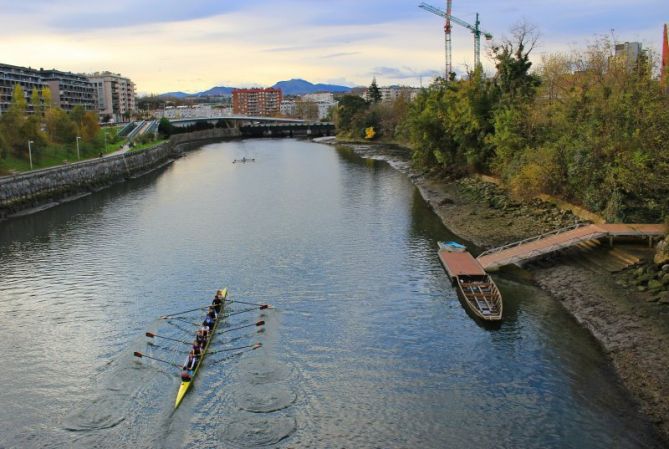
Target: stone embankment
627, 312
33, 191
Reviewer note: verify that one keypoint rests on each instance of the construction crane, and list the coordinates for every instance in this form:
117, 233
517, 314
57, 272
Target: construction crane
447, 35
475, 29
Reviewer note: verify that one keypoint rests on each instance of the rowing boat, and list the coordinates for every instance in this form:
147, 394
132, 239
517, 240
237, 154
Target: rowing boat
478, 291
185, 385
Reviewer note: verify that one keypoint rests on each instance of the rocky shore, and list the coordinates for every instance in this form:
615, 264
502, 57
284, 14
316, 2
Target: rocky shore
626, 308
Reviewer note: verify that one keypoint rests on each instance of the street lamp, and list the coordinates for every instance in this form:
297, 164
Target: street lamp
78, 155
30, 153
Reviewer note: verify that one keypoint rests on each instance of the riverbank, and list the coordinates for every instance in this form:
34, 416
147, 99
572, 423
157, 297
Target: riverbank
34, 191
631, 326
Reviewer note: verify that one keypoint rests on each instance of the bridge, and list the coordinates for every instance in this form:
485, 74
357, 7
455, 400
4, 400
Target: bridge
532, 248
249, 126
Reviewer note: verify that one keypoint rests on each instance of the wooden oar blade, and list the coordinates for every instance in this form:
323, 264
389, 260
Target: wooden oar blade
150, 335
260, 323
139, 354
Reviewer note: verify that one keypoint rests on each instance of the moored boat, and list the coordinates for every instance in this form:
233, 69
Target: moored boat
453, 247
478, 291
481, 296
185, 384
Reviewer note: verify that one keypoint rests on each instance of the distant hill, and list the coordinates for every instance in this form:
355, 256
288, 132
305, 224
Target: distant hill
290, 87
301, 87
216, 92
178, 95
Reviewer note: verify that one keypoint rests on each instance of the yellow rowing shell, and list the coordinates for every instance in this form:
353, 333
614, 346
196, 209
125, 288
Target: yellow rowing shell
186, 385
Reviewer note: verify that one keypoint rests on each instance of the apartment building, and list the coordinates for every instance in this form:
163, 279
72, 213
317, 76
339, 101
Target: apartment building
115, 94
257, 102
10, 75
391, 93
69, 89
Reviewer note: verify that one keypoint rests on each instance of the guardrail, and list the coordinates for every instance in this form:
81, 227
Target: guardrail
534, 239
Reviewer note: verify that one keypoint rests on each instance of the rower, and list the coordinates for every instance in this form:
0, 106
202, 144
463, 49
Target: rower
191, 362
208, 322
211, 313
197, 348
204, 330
200, 337
218, 301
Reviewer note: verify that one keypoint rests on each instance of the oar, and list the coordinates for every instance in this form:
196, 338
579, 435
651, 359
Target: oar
231, 356
262, 307
184, 320
140, 355
258, 324
167, 317
254, 346
150, 335
251, 303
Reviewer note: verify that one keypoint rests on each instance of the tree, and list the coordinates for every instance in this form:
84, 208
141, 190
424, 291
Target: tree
349, 106
513, 64
165, 127
60, 127
36, 102
47, 99
306, 110
373, 92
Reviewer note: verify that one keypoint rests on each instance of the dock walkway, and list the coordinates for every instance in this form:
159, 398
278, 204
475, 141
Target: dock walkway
534, 247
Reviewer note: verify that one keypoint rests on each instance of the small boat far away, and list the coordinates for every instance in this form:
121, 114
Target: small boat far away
476, 288
243, 160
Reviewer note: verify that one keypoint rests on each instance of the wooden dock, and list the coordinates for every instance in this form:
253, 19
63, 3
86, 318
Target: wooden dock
528, 249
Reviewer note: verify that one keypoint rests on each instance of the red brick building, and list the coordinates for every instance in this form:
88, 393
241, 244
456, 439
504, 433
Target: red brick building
257, 102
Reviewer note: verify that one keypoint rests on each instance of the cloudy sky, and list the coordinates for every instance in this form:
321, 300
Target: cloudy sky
192, 45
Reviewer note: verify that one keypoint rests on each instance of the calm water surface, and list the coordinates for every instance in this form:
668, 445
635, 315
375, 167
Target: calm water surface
368, 346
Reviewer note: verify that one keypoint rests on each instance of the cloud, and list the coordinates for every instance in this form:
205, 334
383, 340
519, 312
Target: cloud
403, 73
340, 55
170, 45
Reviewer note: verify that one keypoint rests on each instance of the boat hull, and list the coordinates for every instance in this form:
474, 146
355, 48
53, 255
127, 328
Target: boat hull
481, 297
185, 385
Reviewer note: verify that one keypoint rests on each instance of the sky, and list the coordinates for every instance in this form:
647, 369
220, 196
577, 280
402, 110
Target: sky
193, 45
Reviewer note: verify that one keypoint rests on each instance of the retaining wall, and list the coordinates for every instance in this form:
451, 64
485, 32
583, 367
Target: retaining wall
42, 188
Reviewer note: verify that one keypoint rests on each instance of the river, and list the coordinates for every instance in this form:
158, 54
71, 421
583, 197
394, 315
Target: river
367, 345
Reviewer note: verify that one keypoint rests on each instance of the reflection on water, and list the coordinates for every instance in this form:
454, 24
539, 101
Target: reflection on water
368, 345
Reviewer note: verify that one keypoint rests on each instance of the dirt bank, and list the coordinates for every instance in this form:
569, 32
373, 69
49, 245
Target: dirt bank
631, 326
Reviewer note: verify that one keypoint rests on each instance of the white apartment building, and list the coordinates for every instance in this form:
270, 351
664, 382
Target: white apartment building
324, 100
325, 97
115, 94
288, 108
392, 93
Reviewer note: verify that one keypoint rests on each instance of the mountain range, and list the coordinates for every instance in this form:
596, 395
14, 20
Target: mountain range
290, 87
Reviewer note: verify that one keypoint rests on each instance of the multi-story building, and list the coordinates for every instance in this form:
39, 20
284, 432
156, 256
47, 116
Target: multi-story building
69, 89
392, 93
325, 97
29, 79
288, 107
324, 101
628, 52
115, 94
257, 102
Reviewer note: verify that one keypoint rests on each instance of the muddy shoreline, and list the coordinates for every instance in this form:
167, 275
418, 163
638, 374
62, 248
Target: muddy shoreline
631, 326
